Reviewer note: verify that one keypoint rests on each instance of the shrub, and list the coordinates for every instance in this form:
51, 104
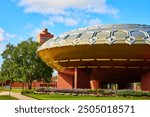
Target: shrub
125, 93
27, 91
106, 92
76, 91
101, 92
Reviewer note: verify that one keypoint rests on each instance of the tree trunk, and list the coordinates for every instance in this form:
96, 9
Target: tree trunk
47, 84
23, 85
5, 83
2, 84
10, 84
30, 85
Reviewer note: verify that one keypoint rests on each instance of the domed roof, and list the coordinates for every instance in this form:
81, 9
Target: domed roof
104, 46
102, 34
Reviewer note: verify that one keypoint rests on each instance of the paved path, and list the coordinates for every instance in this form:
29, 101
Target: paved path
16, 95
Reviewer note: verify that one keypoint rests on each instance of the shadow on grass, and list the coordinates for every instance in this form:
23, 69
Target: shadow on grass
7, 97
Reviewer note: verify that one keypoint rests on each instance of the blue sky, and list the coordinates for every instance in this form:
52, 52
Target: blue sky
20, 19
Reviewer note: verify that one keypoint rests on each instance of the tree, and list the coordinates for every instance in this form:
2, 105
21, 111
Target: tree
22, 64
1, 78
8, 66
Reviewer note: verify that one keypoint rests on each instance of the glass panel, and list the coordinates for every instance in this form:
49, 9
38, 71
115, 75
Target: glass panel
102, 35
66, 36
137, 34
79, 35
94, 34
86, 36
58, 39
148, 33
120, 34
72, 37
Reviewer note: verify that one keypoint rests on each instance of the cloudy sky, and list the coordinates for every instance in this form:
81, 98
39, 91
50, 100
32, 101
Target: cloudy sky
20, 19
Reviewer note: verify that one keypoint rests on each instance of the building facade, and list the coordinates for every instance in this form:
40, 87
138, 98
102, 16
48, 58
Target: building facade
104, 56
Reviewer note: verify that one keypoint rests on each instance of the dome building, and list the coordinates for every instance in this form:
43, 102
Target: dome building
99, 56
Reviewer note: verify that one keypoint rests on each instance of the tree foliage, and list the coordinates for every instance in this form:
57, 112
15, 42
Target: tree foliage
22, 64
1, 77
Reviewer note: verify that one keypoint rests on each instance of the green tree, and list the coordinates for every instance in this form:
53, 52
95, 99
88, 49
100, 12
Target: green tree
22, 64
8, 66
1, 78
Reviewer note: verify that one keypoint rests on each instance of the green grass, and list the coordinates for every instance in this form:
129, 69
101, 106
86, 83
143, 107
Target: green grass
70, 97
14, 90
6, 97
3, 89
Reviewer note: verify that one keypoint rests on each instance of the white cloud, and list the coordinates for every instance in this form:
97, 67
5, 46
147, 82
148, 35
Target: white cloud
9, 36
69, 21
58, 7
35, 32
1, 34
5, 36
91, 22
2, 48
69, 12
60, 19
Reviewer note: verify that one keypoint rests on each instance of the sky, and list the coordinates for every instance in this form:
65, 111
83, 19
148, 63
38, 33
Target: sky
21, 19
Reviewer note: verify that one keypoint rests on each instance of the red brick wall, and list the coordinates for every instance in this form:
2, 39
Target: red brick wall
44, 36
73, 78
65, 81
145, 82
37, 84
82, 78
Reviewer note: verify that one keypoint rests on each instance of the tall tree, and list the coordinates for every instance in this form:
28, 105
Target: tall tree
1, 78
22, 64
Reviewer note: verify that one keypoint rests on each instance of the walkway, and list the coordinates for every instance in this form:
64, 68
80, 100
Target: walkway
16, 95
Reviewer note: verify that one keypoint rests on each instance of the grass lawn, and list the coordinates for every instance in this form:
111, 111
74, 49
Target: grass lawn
15, 90
70, 97
6, 97
3, 89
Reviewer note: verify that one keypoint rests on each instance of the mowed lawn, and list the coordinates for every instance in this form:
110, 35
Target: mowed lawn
14, 89
7, 97
71, 97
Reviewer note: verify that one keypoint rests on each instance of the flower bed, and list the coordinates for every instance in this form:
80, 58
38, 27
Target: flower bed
97, 92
